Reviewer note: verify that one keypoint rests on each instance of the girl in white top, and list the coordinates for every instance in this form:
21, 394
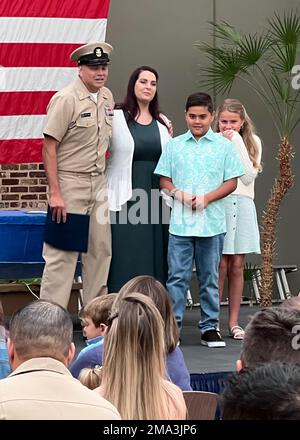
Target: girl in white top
242, 235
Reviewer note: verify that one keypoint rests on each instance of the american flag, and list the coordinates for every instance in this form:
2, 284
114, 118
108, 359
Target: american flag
36, 39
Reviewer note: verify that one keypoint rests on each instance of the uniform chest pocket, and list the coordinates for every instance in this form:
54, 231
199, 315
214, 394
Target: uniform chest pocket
85, 122
108, 120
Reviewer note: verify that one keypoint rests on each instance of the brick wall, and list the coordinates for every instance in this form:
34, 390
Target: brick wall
23, 186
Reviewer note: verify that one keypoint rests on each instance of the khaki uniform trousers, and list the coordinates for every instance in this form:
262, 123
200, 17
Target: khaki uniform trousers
84, 193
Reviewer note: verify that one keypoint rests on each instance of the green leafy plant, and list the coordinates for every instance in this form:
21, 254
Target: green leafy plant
22, 281
264, 62
249, 271
28, 282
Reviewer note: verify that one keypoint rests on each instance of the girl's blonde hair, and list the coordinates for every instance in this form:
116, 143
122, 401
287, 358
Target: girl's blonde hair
134, 362
149, 286
91, 377
247, 130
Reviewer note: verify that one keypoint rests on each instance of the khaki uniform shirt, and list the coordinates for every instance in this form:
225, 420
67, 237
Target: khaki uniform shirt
44, 389
82, 127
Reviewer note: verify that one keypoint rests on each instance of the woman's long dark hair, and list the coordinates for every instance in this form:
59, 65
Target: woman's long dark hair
130, 103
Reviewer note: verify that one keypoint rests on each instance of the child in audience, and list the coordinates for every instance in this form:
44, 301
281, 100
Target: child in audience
94, 318
91, 377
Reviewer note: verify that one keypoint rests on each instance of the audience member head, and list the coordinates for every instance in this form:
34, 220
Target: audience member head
40, 329
95, 314
91, 377
134, 363
270, 336
133, 101
293, 302
151, 287
268, 392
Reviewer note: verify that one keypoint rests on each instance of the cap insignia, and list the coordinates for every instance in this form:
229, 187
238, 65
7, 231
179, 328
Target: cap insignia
98, 52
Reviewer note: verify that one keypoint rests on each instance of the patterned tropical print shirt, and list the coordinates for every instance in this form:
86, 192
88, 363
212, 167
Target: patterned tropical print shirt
198, 167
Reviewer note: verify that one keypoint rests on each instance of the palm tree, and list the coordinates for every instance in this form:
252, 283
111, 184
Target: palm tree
265, 63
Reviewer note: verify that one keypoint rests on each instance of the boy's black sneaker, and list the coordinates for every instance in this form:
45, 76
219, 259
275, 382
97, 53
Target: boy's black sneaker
212, 339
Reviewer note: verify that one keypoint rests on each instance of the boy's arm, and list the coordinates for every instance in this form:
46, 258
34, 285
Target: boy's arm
202, 200
168, 186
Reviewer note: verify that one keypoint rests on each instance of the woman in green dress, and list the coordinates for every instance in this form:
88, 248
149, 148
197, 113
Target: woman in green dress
139, 217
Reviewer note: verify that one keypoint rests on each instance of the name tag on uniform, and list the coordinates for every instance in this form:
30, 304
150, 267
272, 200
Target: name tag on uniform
109, 111
85, 115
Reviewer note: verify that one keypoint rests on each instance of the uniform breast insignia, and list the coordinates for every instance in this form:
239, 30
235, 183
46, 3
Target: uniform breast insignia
85, 115
109, 111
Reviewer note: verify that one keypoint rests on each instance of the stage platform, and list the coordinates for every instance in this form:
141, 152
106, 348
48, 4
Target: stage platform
201, 359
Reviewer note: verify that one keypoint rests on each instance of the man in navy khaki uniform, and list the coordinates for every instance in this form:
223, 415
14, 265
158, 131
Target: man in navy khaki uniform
77, 133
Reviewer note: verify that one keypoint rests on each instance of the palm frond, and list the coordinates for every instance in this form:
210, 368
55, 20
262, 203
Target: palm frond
212, 52
284, 57
281, 87
224, 69
224, 31
286, 30
263, 61
252, 48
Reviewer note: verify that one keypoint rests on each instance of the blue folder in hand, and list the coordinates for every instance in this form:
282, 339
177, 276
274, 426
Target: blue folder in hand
70, 236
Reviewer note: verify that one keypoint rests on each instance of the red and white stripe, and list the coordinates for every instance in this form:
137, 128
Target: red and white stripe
36, 39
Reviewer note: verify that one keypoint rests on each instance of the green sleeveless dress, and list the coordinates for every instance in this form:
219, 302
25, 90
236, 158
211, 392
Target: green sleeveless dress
141, 248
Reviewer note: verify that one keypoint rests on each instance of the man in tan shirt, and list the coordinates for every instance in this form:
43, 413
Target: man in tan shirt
77, 132
41, 387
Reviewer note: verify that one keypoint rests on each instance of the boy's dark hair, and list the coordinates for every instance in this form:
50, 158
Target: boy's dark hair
200, 100
268, 392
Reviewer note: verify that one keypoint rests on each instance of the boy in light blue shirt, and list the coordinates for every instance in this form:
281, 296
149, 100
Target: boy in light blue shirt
94, 317
198, 169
